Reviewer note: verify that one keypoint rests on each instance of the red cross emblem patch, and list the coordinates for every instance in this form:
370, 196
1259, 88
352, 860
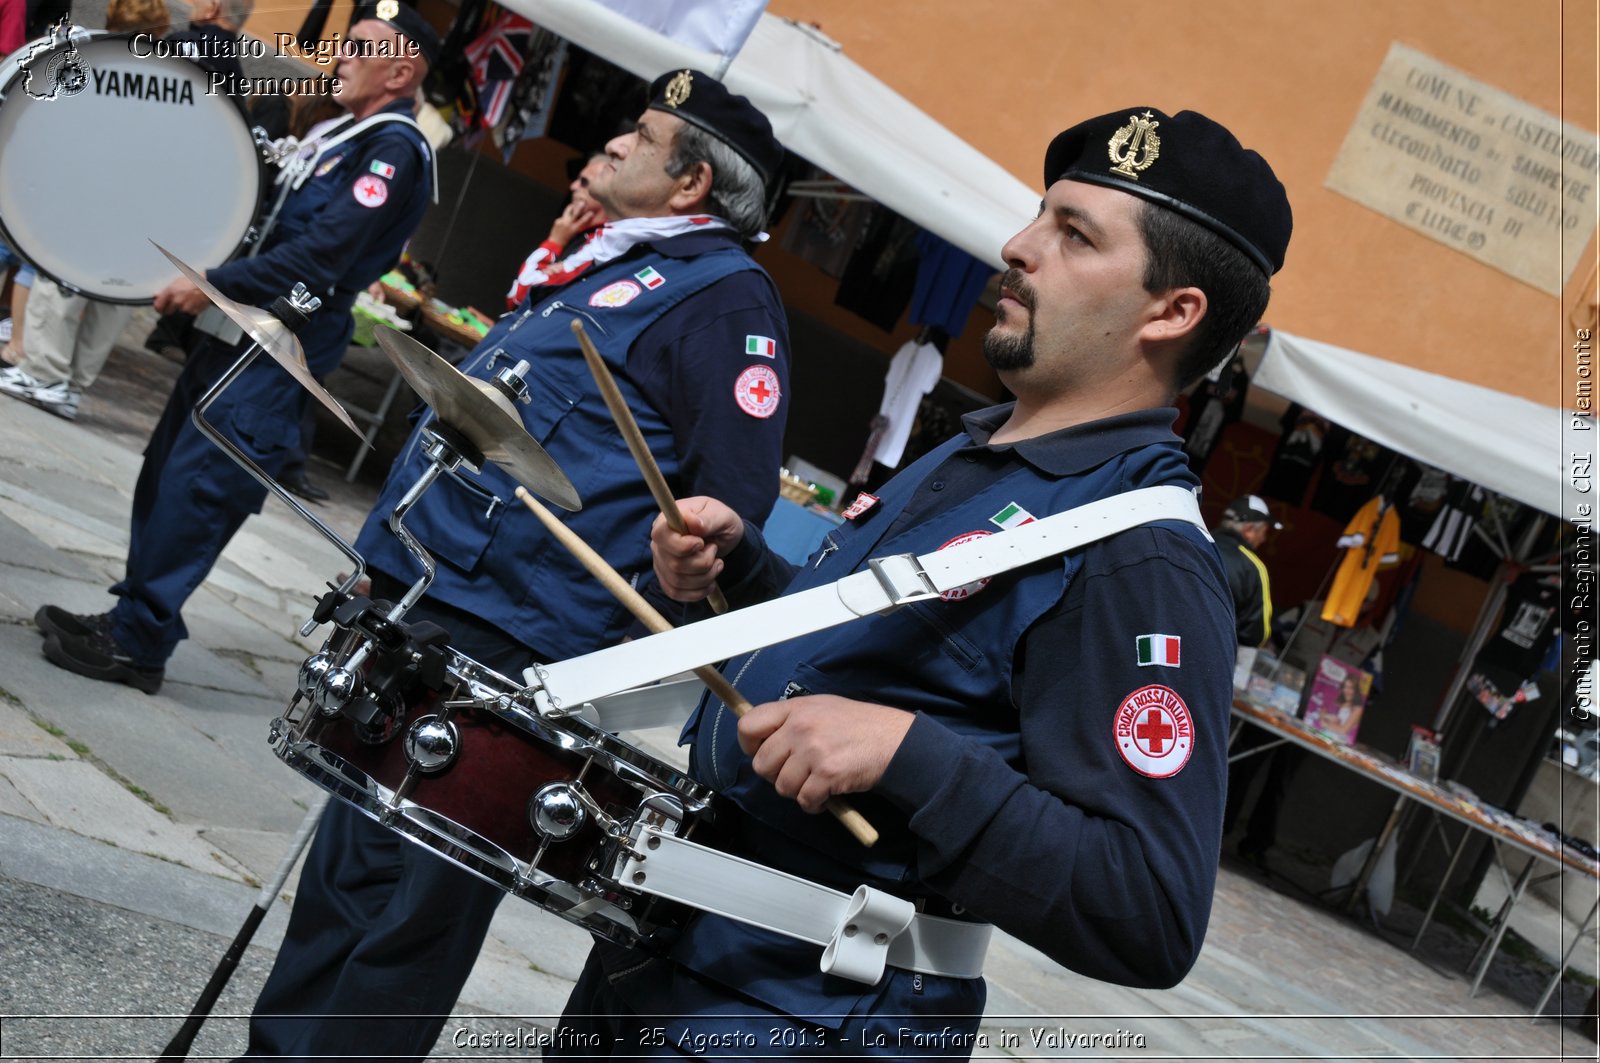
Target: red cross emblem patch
371, 190
1154, 731
966, 590
757, 391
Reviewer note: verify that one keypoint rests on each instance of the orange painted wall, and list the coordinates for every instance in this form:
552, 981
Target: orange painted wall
1288, 76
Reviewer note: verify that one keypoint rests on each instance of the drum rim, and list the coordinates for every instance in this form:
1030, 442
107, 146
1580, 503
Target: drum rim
261, 170
327, 769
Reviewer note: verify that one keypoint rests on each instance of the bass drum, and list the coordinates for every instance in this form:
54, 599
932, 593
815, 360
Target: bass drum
103, 151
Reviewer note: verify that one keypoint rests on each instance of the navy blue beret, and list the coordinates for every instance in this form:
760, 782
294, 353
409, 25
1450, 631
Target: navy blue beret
1186, 163
704, 101
405, 19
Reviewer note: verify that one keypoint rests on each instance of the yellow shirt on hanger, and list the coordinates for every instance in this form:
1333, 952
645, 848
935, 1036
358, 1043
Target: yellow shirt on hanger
1378, 526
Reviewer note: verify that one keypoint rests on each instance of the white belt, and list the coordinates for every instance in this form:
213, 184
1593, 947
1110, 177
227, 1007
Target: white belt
861, 933
886, 584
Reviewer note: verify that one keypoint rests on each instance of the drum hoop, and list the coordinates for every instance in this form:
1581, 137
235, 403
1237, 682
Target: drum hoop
262, 170
333, 773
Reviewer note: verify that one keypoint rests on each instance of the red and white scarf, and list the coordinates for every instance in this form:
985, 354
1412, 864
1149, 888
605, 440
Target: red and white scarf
609, 241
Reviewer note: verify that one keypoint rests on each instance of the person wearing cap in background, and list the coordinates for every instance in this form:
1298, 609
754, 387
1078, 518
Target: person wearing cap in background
384, 932
1244, 527
1044, 750
337, 233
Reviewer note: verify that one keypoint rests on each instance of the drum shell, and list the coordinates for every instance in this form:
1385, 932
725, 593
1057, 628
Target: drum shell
88, 181
498, 768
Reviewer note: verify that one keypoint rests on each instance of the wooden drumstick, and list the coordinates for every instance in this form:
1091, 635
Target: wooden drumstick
635, 603
636, 444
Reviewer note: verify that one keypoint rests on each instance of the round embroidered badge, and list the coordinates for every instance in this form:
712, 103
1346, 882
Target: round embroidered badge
966, 590
1154, 731
617, 293
757, 391
371, 190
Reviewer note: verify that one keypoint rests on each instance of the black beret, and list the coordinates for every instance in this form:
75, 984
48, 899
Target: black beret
405, 19
704, 101
1186, 163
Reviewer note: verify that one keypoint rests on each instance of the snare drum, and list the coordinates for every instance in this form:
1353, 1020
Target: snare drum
132, 151
541, 808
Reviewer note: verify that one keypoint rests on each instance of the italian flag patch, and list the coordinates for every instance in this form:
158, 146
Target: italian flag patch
1159, 649
764, 346
1013, 516
382, 169
650, 278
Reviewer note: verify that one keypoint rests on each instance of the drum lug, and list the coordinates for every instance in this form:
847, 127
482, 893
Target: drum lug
559, 810
338, 688
431, 744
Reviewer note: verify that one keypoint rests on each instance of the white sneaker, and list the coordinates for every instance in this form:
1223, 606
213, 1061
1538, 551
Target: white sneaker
58, 398
15, 382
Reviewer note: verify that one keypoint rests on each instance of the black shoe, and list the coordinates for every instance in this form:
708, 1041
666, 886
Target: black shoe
299, 485
98, 656
54, 620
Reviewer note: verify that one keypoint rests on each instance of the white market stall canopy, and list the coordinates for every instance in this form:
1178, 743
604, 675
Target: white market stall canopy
1507, 444
827, 109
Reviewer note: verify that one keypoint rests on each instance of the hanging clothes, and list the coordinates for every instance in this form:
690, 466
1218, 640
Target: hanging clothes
1371, 538
533, 96
1518, 648
1216, 403
1353, 470
497, 57
882, 270
825, 231
913, 372
949, 282
1299, 451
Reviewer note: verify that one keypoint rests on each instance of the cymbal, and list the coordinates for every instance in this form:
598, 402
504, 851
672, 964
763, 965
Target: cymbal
478, 410
273, 335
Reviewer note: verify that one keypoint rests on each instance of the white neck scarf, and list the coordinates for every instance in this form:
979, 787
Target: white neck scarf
617, 238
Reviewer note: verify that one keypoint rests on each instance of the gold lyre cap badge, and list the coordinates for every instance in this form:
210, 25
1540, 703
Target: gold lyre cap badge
678, 89
1127, 144
388, 9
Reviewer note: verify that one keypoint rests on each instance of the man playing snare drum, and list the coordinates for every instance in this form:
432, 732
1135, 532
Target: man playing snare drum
1043, 749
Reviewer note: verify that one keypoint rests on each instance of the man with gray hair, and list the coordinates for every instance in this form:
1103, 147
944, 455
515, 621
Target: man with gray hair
384, 932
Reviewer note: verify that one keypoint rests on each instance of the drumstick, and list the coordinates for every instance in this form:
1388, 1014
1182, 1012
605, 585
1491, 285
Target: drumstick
641, 452
635, 603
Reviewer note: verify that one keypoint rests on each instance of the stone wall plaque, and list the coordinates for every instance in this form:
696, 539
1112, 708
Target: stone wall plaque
1473, 168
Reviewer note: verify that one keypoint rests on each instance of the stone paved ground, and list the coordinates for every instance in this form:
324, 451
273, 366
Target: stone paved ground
133, 830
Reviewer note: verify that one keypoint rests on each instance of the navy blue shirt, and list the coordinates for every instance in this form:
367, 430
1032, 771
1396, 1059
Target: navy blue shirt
1055, 835
339, 231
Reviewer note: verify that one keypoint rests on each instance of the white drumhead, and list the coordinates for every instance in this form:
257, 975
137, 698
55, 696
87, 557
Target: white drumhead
142, 153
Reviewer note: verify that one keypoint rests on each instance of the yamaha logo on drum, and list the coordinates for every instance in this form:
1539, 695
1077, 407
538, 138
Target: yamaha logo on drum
143, 86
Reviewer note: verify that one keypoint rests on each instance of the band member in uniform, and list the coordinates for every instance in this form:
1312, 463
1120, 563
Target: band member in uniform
694, 332
336, 233
1043, 750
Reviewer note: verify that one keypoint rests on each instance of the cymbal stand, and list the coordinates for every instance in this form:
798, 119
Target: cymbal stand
293, 312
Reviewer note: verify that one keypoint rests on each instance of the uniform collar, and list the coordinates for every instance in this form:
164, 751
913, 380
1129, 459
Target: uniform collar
690, 244
1081, 447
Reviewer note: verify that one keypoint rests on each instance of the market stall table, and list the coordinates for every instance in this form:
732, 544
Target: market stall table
1499, 827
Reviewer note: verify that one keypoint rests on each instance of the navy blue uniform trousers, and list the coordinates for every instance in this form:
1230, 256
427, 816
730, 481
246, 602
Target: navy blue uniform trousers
379, 946
191, 498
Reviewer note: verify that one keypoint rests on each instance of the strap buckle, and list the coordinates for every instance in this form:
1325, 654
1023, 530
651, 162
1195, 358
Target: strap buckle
859, 947
902, 579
